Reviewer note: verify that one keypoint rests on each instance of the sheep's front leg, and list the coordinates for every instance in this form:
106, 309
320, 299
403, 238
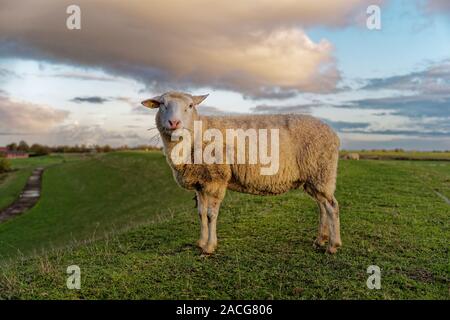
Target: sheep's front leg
213, 212
202, 203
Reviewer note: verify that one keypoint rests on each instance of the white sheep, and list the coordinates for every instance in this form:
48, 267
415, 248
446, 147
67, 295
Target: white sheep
308, 158
351, 156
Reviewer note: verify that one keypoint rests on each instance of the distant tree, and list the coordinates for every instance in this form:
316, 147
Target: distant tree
12, 146
97, 148
23, 146
58, 149
40, 150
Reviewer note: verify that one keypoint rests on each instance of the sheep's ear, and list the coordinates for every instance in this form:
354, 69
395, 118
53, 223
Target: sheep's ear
199, 99
151, 103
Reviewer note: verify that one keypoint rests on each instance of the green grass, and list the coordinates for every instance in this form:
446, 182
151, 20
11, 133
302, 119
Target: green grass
390, 217
12, 183
81, 200
43, 161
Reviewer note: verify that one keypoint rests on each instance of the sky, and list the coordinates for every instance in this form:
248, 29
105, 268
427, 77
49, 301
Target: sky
386, 88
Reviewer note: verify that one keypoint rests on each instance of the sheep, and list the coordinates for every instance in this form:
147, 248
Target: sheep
351, 156
308, 159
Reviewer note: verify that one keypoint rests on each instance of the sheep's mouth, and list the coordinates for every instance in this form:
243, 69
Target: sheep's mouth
169, 131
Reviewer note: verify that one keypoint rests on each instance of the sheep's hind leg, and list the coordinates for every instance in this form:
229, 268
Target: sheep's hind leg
332, 209
323, 235
202, 203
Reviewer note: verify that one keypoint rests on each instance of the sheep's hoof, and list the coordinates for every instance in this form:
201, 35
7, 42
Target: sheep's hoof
201, 244
332, 249
209, 249
320, 242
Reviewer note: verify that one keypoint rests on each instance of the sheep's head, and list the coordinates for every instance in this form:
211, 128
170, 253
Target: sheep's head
176, 110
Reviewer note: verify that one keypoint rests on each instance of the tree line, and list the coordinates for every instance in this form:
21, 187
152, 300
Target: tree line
40, 149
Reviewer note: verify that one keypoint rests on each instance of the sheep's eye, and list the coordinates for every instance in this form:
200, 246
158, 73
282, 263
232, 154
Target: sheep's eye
191, 105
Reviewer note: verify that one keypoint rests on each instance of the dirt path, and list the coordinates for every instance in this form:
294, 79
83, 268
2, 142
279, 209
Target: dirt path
27, 199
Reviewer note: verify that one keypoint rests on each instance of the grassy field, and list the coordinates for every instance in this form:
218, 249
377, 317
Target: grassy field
86, 197
11, 184
391, 216
402, 155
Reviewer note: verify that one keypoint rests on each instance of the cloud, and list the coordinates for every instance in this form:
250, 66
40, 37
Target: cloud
435, 79
211, 111
82, 76
23, 117
344, 126
142, 111
437, 6
90, 135
6, 73
415, 106
96, 100
259, 48
101, 100
270, 109
419, 94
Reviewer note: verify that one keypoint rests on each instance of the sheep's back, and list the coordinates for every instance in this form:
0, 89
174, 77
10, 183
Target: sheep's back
308, 151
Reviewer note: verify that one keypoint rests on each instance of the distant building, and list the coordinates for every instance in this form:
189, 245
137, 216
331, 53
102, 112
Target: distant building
13, 154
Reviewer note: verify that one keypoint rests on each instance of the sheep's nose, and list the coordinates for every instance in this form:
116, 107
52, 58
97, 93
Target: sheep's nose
174, 124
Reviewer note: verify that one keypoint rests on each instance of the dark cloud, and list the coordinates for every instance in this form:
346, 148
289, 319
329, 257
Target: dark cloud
434, 80
6, 73
136, 105
82, 76
344, 126
269, 109
413, 106
421, 94
95, 100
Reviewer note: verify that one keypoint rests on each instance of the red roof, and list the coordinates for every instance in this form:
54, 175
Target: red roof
3, 149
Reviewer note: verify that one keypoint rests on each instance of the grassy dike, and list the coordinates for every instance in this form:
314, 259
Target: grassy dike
390, 217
